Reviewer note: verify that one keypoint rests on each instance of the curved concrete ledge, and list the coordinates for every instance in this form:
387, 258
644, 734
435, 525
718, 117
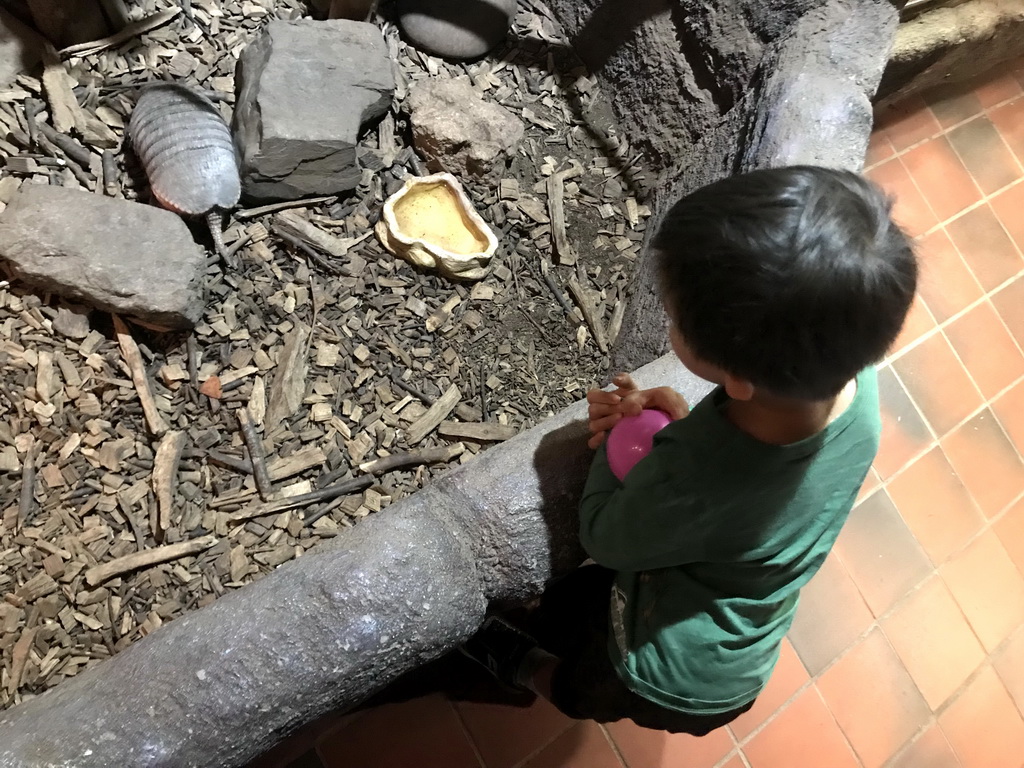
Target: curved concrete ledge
223, 684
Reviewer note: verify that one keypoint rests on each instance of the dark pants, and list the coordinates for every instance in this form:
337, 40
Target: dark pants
572, 623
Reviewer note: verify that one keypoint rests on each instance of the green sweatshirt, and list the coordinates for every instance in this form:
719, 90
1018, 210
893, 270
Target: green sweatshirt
713, 534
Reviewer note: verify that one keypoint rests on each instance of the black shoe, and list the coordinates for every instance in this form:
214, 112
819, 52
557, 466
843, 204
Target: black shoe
501, 649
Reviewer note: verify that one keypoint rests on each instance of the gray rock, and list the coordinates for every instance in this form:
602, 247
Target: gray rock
948, 46
457, 131
304, 90
112, 254
72, 321
456, 29
20, 48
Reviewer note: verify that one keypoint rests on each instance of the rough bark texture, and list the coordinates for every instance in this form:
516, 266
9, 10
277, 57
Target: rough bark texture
709, 89
952, 45
219, 686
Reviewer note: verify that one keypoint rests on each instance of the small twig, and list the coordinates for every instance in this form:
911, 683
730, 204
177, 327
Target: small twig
416, 165
224, 460
410, 389
165, 470
252, 213
412, 459
325, 510
132, 356
85, 178
191, 352
559, 296
133, 523
483, 392
110, 180
19, 658
236, 246
345, 488
255, 448
26, 503
589, 313
228, 501
538, 326
67, 145
307, 249
101, 573
434, 415
330, 477
32, 108
139, 27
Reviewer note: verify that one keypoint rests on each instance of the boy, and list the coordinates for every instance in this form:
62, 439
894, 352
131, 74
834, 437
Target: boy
783, 287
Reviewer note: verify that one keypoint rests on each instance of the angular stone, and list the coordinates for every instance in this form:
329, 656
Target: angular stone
453, 28
305, 88
21, 49
112, 254
457, 131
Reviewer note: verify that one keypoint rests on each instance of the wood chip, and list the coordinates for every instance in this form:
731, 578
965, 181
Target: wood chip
564, 253
132, 356
296, 226
40, 585
479, 431
165, 475
437, 413
289, 384
20, 658
297, 463
64, 109
101, 573
212, 388
589, 313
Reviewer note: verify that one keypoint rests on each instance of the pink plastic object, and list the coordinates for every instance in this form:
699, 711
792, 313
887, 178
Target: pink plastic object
632, 439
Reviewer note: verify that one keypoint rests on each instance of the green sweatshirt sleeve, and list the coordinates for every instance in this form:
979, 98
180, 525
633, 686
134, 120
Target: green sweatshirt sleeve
645, 523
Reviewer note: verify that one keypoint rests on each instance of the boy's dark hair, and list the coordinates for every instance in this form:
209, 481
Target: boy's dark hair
792, 278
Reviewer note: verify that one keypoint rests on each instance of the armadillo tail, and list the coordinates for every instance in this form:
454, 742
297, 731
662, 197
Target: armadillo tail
213, 220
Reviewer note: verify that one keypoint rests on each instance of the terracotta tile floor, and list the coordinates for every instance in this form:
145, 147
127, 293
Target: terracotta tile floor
908, 648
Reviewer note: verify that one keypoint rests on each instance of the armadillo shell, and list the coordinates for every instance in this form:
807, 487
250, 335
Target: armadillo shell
186, 148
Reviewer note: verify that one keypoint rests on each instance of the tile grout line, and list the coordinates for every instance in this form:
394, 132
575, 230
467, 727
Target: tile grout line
937, 441
614, 747
465, 732
941, 327
526, 760
943, 130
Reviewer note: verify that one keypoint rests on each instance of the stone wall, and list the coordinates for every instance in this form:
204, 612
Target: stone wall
708, 89
952, 45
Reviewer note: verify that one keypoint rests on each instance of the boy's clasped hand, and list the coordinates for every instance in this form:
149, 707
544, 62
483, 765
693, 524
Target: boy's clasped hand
606, 408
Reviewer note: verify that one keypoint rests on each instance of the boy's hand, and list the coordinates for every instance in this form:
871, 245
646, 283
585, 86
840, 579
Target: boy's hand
606, 408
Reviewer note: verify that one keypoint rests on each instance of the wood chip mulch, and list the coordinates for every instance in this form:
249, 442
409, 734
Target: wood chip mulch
143, 474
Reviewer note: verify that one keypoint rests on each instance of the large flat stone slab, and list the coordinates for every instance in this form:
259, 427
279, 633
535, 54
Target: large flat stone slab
115, 255
304, 90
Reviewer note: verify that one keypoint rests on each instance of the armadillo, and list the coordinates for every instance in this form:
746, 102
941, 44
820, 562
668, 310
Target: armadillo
187, 152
